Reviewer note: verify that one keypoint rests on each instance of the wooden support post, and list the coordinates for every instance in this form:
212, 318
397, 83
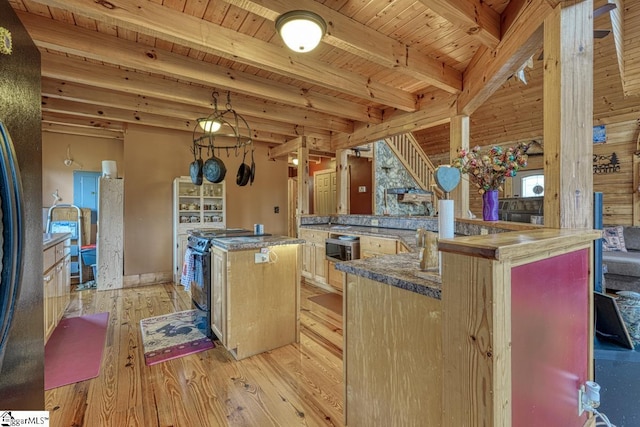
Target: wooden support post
342, 183
110, 239
568, 116
303, 180
459, 138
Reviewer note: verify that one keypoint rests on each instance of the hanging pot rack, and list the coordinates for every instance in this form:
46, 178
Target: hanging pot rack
222, 123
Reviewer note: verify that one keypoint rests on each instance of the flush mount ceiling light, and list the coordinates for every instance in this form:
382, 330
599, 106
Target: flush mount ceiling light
301, 30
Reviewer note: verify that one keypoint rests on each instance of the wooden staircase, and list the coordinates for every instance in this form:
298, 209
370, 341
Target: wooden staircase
417, 163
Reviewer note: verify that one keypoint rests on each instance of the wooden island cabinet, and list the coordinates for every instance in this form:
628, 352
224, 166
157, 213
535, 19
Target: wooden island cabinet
255, 304
392, 355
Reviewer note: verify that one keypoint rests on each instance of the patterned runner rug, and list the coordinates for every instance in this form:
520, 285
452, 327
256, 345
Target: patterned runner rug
173, 335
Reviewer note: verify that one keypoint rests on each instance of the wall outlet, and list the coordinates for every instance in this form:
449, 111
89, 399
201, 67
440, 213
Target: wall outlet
276, 209
374, 222
261, 258
362, 189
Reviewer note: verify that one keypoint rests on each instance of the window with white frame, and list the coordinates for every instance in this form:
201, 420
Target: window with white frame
532, 185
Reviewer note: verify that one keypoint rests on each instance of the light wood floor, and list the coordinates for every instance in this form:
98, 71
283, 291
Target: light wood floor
296, 385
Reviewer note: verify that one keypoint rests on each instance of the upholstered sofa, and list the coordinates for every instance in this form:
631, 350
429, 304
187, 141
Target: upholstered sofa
621, 258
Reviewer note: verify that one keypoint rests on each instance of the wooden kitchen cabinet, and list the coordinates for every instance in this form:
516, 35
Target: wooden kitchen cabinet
255, 306
314, 260
66, 274
56, 282
194, 207
375, 246
336, 278
49, 285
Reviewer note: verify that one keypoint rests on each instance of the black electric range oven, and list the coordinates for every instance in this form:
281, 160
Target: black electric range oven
199, 242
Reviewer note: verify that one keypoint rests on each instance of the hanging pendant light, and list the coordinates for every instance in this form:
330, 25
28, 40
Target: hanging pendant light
225, 122
301, 30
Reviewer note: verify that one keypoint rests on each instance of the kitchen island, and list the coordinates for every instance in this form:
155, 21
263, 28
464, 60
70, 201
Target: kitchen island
255, 293
483, 344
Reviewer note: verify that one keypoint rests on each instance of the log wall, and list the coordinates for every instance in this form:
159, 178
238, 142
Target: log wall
514, 113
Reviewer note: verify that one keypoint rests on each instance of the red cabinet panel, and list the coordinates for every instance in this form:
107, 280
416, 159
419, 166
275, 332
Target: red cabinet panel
550, 326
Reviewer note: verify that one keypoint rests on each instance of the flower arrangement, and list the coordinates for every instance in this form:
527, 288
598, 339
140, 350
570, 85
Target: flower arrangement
487, 171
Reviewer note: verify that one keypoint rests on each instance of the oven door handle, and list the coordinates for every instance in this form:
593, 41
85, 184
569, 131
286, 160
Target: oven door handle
197, 252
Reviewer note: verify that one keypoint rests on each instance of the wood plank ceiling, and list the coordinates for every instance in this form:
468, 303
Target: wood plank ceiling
385, 66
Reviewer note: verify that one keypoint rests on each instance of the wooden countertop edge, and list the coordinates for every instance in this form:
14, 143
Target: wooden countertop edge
517, 244
55, 239
503, 225
276, 240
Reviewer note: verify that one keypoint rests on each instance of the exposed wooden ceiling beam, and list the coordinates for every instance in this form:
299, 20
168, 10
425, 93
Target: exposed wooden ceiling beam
158, 21
93, 94
66, 129
83, 122
489, 69
62, 106
49, 34
473, 17
365, 42
286, 148
438, 109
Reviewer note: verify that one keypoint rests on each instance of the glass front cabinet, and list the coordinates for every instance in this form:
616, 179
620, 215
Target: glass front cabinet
194, 207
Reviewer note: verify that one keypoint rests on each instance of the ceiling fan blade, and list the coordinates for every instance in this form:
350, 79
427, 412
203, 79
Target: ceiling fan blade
603, 9
597, 34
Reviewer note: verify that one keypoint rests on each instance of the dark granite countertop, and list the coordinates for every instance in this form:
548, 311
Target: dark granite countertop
407, 237
401, 271
242, 243
52, 239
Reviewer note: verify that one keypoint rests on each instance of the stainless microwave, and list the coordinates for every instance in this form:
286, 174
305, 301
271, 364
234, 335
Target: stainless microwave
342, 248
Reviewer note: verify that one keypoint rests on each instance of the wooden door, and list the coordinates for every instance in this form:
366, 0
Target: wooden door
324, 194
85, 192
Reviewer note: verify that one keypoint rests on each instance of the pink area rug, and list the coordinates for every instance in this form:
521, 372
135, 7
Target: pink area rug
74, 350
173, 335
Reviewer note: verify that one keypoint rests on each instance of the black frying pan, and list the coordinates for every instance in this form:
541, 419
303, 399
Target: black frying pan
214, 169
253, 168
244, 172
195, 168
